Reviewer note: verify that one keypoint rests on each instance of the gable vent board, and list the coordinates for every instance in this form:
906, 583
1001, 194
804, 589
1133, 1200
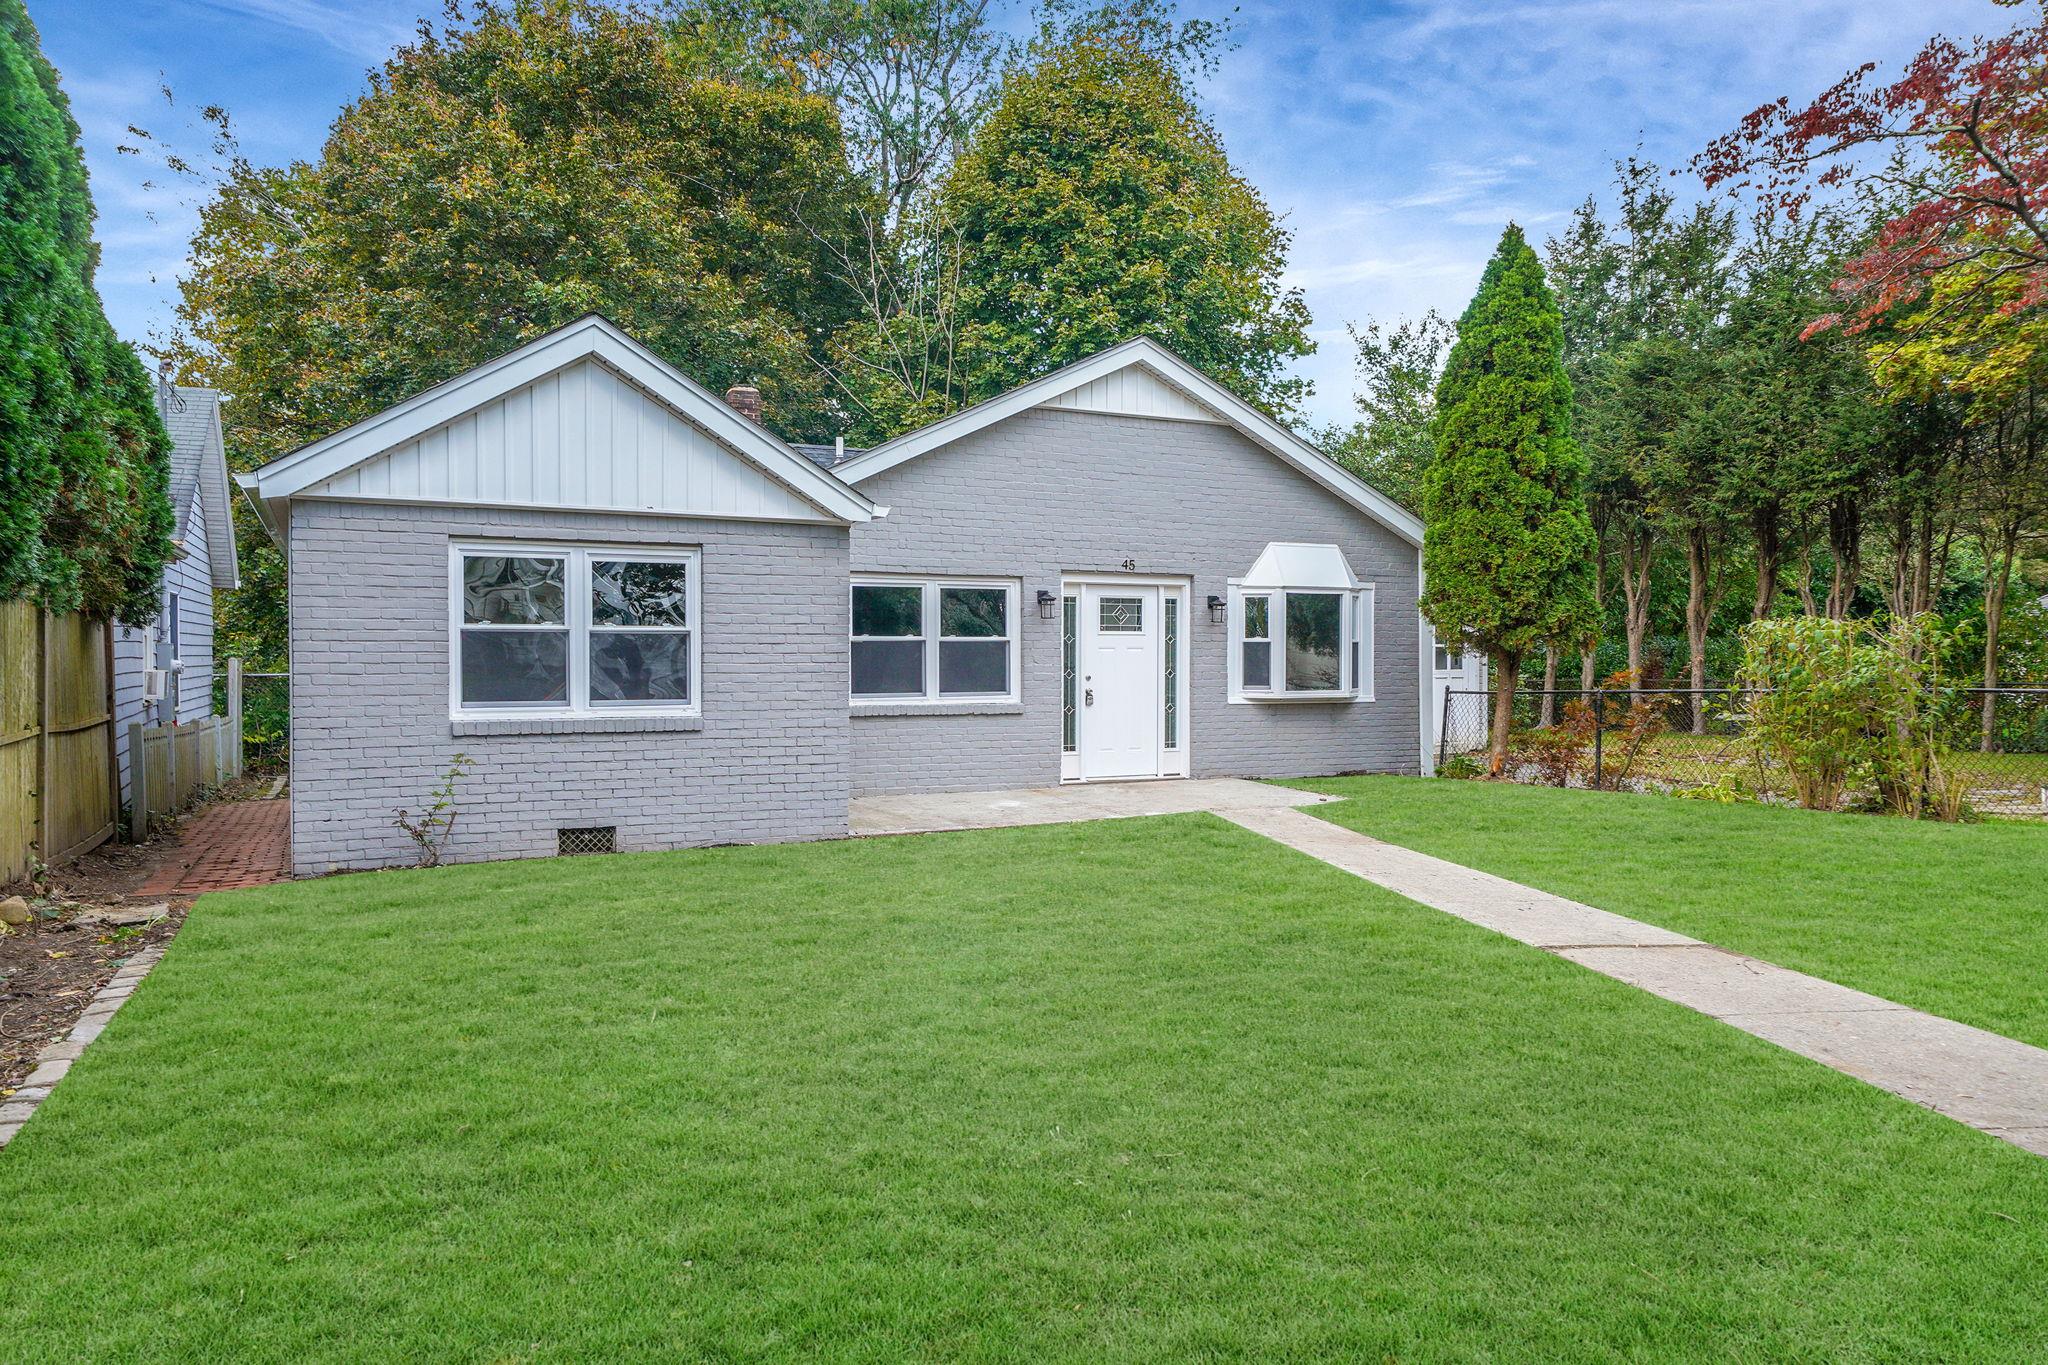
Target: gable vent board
1133, 392
581, 437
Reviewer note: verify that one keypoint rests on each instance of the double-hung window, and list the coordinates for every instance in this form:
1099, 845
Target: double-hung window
1300, 628
933, 640
550, 630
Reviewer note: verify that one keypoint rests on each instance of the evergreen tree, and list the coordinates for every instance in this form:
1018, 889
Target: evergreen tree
1509, 555
85, 523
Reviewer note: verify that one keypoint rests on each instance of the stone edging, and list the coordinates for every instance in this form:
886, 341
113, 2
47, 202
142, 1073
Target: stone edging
56, 1059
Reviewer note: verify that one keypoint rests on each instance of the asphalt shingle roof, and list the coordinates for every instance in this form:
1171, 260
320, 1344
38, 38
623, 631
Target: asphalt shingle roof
825, 457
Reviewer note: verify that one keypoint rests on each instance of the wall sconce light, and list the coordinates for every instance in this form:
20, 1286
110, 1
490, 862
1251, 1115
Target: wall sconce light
1045, 604
1215, 609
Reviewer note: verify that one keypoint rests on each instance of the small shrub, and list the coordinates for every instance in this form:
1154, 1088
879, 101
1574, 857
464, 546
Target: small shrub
1726, 790
1460, 766
1816, 689
430, 832
1848, 703
1558, 753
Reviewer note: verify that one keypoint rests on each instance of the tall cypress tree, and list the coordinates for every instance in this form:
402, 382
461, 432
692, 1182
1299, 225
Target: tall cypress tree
85, 523
1509, 553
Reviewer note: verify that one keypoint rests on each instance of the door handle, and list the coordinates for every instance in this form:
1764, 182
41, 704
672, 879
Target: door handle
1088, 697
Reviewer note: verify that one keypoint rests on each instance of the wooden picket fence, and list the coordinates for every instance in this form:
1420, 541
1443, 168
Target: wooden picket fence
171, 766
58, 787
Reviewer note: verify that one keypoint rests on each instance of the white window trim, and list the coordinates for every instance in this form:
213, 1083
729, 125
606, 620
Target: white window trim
175, 634
929, 623
1358, 623
576, 589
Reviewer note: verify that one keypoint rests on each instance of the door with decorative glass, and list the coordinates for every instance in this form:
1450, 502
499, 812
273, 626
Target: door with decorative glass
1123, 684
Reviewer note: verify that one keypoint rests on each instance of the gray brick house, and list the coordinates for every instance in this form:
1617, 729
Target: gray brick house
643, 615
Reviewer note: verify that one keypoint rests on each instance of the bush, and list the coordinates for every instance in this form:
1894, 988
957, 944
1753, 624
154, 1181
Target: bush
1842, 703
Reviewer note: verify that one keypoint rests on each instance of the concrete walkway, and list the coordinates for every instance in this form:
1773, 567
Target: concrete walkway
926, 813
1983, 1079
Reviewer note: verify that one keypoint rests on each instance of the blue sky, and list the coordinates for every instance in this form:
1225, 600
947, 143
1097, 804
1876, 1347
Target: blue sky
1396, 137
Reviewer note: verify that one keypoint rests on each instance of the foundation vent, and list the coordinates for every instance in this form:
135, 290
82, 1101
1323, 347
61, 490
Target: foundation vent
590, 839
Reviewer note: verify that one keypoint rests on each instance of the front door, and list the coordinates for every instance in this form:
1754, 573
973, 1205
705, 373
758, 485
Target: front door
1121, 680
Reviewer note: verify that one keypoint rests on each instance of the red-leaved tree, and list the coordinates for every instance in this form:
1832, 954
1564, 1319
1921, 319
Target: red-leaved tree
1957, 145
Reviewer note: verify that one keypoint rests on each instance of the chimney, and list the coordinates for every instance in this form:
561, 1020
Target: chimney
745, 399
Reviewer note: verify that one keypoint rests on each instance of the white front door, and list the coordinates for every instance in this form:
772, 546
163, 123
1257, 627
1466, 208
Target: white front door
1120, 681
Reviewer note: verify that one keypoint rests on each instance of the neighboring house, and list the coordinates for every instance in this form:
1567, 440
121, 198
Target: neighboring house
650, 623
173, 655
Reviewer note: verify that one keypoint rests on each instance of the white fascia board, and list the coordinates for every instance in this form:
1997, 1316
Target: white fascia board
271, 514
591, 337
216, 505
1248, 420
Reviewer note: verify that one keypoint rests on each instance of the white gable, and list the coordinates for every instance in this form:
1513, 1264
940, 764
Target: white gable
581, 437
1133, 391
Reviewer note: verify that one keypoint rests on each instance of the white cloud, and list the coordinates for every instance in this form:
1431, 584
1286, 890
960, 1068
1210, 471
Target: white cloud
357, 30
1399, 137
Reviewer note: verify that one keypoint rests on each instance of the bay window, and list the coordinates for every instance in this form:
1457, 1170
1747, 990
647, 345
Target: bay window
1300, 628
932, 640
554, 631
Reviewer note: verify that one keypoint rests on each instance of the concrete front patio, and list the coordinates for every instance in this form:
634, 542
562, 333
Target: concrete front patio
928, 813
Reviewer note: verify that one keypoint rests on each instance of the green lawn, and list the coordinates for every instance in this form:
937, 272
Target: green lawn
1138, 1090
1952, 919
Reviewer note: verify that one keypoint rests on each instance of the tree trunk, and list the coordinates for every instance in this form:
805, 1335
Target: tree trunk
1638, 548
1807, 603
1590, 654
1699, 616
1845, 545
1549, 703
1770, 555
1995, 584
1507, 670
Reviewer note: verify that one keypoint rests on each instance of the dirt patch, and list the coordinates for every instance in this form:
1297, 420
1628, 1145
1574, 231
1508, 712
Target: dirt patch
75, 940
51, 967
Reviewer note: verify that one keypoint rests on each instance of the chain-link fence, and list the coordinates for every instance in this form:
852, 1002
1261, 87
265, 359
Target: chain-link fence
1992, 743
266, 719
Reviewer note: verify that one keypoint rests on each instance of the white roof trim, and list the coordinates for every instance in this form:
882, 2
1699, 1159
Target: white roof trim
1290, 564
1253, 424
592, 337
223, 563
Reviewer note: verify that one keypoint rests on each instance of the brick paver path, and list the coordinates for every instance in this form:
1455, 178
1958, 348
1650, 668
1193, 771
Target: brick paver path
236, 843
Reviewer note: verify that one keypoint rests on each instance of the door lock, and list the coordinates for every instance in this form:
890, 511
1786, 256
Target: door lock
1088, 697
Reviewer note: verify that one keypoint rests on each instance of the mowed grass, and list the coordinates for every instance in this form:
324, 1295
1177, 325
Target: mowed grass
1128, 1091
1952, 919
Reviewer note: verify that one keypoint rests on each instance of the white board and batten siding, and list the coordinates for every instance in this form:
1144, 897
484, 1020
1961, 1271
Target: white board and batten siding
581, 438
1133, 391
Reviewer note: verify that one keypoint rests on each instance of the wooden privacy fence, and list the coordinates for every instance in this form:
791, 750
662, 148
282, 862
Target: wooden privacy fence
171, 765
57, 782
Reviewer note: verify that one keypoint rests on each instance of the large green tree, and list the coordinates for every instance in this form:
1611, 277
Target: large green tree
1508, 559
85, 523
503, 176
1397, 367
1096, 204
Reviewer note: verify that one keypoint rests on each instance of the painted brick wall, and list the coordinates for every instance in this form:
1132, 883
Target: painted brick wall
371, 730
1048, 492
